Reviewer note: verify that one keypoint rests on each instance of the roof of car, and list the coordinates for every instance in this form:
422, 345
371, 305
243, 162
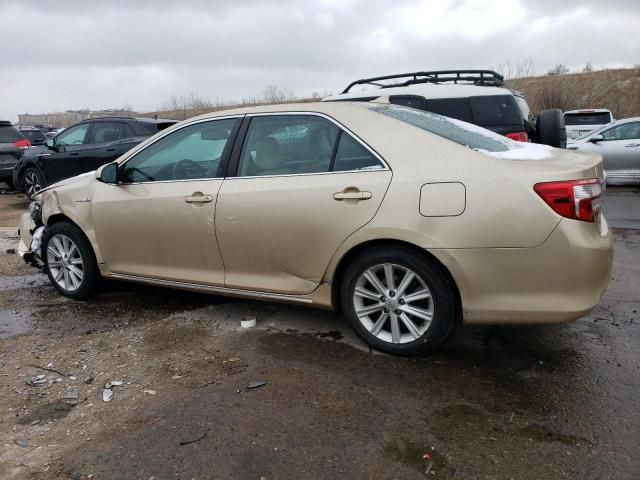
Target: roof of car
425, 90
29, 129
5, 123
588, 110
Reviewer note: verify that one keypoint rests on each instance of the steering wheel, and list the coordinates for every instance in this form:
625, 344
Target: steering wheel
187, 168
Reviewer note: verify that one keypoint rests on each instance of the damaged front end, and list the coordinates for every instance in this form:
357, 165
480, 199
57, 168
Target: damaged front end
31, 235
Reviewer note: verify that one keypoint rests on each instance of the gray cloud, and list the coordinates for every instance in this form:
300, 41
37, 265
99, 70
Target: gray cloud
115, 52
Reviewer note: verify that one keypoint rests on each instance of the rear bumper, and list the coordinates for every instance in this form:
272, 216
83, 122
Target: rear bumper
559, 281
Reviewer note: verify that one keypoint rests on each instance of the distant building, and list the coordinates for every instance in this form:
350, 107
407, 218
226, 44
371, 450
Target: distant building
70, 117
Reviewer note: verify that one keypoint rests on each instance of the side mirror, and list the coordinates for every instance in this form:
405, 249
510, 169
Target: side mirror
50, 143
596, 139
108, 173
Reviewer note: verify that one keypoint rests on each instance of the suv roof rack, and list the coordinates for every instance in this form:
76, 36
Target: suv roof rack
485, 78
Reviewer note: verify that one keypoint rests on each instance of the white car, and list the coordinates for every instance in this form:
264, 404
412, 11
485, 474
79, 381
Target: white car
581, 122
619, 145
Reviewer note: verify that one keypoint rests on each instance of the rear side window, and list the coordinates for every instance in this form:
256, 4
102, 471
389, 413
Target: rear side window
495, 110
103, 132
9, 134
462, 133
451, 107
352, 155
572, 119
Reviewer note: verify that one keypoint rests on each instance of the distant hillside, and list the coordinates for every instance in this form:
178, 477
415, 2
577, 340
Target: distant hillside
618, 90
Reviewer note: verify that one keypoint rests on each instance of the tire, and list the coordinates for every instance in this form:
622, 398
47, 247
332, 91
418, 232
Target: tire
32, 181
550, 128
377, 330
69, 261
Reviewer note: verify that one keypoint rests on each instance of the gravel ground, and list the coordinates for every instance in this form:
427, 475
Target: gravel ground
496, 403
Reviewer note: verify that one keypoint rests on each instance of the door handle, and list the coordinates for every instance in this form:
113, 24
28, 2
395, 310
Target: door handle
357, 195
198, 198
111, 149
632, 145
73, 154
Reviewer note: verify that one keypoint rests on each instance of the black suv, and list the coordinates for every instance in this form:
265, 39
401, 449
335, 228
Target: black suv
82, 148
473, 96
12, 146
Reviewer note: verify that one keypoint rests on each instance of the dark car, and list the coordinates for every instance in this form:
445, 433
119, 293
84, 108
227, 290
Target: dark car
12, 146
82, 148
34, 135
473, 96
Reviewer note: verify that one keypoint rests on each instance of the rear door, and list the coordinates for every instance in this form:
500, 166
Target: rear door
298, 187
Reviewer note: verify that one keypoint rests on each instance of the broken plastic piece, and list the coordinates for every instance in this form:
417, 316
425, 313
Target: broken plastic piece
248, 322
257, 384
107, 393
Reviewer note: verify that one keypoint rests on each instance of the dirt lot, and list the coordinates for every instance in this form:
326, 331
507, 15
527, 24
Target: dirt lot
496, 403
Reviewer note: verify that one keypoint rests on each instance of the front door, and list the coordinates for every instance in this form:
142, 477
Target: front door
158, 222
302, 185
62, 161
620, 150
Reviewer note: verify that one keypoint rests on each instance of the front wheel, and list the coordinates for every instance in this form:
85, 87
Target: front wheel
69, 261
399, 301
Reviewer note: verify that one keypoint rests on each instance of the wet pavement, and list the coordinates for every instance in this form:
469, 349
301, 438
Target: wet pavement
557, 401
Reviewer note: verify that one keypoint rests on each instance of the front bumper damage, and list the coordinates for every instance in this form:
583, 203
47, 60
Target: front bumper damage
30, 244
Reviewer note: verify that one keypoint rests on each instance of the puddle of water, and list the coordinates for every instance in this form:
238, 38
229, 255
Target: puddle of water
23, 281
12, 324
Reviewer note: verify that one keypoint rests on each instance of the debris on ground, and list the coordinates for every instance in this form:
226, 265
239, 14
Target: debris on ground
37, 381
187, 441
21, 442
256, 384
71, 394
107, 394
150, 392
248, 322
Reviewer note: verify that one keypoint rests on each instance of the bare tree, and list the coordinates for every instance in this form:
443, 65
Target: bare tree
275, 94
559, 69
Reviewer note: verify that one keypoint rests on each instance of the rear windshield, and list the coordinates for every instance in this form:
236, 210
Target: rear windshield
486, 111
587, 118
462, 133
9, 134
34, 135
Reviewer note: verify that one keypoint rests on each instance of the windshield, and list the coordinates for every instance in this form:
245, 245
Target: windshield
572, 119
457, 131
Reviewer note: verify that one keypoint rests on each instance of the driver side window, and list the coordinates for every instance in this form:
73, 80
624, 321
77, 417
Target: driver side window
73, 136
189, 153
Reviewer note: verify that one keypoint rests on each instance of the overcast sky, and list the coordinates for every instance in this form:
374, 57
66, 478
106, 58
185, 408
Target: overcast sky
72, 54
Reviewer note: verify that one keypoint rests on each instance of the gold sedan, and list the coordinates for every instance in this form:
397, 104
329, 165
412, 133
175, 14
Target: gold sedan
408, 222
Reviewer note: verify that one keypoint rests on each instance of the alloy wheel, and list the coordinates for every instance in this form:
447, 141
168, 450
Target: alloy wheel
32, 183
393, 303
65, 262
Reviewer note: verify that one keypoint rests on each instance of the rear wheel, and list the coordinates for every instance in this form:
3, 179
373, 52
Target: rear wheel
399, 301
69, 261
32, 181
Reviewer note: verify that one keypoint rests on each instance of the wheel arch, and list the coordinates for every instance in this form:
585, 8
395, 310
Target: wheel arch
356, 250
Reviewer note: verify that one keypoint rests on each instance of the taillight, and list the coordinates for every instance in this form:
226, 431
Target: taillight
518, 136
571, 198
22, 143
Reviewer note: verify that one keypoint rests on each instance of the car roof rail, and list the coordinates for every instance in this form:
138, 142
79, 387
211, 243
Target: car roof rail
485, 78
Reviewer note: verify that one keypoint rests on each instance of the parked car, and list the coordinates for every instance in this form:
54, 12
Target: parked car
34, 135
581, 122
474, 96
619, 145
407, 221
82, 148
12, 145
